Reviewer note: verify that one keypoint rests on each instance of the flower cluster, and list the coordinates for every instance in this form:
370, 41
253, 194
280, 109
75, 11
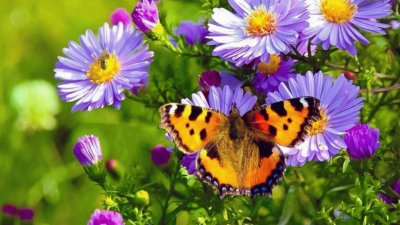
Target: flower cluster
251, 56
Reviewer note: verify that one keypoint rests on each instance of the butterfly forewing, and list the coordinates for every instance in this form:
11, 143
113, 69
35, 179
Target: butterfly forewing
191, 127
285, 123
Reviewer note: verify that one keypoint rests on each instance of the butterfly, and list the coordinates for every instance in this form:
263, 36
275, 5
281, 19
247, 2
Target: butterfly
238, 154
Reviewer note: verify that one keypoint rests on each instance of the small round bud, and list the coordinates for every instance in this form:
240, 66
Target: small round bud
350, 75
142, 198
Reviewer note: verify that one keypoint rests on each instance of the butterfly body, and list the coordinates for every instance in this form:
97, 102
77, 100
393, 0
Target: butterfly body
237, 154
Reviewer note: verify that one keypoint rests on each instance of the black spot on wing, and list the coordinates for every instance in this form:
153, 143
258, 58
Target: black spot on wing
313, 108
187, 125
167, 108
279, 108
212, 152
265, 148
203, 134
289, 120
195, 112
208, 116
179, 110
295, 102
285, 127
191, 131
272, 130
264, 113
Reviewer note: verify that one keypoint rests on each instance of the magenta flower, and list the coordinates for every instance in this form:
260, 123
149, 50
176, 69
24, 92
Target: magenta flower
26, 214
161, 155
217, 79
9, 210
104, 217
362, 141
120, 15
88, 150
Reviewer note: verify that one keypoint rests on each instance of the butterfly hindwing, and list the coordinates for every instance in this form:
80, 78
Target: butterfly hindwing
221, 176
263, 166
191, 127
286, 122
265, 170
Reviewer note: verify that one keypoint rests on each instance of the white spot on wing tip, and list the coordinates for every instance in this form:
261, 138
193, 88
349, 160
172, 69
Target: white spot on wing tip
304, 102
172, 109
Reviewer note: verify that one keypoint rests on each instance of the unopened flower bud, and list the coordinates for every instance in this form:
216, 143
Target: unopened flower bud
114, 168
145, 17
350, 75
142, 198
161, 155
88, 152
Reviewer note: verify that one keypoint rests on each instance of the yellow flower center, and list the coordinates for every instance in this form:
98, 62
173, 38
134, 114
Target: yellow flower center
318, 126
271, 67
338, 11
104, 68
260, 22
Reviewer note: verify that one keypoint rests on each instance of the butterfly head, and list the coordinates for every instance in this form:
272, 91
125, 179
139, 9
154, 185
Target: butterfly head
234, 112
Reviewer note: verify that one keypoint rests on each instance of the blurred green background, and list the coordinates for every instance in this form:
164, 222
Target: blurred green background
37, 167
37, 130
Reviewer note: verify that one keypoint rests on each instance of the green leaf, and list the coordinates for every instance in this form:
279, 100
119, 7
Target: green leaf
346, 164
288, 206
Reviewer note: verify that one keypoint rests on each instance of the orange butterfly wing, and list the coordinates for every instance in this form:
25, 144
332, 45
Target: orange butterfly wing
285, 123
265, 171
191, 127
222, 177
265, 168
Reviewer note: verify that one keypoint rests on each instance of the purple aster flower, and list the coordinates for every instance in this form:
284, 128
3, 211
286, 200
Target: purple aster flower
385, 198
221, 99
9, 210
26, 214
120, 15
189, 162
96, 73
192, 32
340, 106
101, 217
362, 141
217, 79
270, 75
334, 22
161, 155
256, 29
395, 24
145, 16
396, 188
88, 150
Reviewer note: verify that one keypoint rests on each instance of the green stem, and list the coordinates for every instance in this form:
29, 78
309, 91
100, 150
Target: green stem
171, 190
